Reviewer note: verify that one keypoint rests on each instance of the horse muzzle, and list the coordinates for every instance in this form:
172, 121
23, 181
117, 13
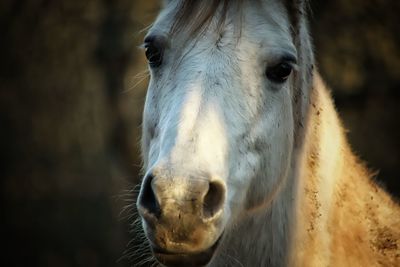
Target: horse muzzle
197, 259
183, 218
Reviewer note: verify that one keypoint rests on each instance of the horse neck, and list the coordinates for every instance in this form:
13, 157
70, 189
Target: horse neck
337, 204
319, 169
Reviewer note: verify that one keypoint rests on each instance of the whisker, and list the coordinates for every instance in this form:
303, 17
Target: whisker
137, 80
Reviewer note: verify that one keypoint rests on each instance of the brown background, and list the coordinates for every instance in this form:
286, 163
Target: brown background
70, 112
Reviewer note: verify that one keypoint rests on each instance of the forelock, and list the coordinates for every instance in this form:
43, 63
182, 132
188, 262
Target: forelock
193, 16
296, 10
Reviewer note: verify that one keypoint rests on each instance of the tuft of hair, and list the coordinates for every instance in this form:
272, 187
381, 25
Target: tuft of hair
194, 15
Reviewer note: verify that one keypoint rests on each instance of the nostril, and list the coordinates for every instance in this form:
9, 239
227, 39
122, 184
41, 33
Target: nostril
147, 200
213, 200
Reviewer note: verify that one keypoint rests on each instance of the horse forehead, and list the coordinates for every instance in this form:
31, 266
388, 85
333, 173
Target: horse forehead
258, 18
264, 30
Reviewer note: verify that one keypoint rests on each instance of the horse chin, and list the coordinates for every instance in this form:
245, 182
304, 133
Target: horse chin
198, 259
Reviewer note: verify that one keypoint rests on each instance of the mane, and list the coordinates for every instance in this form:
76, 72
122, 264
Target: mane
195, 16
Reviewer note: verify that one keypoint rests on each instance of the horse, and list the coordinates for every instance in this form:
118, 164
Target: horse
245, 159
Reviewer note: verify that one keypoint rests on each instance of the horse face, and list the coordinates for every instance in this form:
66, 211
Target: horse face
217, 128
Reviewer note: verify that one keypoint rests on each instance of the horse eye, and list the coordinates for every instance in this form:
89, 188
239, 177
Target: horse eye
279, 73
154, 54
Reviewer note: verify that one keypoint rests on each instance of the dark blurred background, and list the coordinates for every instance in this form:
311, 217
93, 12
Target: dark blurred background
72, 88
